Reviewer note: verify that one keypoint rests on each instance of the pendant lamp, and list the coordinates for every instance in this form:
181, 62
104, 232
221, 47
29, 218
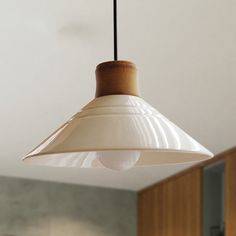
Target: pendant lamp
117, 129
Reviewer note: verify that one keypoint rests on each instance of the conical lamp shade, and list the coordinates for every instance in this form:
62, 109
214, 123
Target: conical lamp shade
117, 123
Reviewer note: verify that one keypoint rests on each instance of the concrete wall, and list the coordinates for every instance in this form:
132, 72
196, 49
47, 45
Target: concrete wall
35, 208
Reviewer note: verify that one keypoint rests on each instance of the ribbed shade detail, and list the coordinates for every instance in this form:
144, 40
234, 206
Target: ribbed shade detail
117, 123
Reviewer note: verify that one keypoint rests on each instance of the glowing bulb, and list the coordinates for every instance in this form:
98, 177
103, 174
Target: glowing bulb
118, 160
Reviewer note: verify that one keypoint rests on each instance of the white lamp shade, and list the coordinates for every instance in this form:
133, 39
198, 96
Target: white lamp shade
117, 123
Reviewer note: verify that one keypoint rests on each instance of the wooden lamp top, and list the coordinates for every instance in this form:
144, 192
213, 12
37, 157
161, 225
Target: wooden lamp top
116, 77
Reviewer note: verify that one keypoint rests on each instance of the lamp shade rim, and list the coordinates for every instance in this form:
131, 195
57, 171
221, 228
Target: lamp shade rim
209, 154
154, 157
160, 150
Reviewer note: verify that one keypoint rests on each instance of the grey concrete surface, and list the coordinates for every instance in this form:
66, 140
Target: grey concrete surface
35, 208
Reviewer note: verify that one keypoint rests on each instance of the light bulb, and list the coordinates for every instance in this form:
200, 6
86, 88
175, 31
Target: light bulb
118, 160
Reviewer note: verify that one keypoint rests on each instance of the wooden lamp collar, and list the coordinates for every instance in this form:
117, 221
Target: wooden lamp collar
116, 77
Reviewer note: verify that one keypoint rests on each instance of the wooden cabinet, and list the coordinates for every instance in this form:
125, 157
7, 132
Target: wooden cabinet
150, 212
230, 200
182, 205
172, 208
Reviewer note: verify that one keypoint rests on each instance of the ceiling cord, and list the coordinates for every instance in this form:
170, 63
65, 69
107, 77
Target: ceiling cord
115, 29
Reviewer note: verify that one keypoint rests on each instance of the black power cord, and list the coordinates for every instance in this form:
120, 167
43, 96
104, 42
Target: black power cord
115, 29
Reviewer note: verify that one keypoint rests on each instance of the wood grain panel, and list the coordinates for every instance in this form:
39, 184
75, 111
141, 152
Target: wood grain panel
150, 212
230, 216
182, 205
172, 208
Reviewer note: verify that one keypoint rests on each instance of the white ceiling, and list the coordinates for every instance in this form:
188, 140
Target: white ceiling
185, 51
